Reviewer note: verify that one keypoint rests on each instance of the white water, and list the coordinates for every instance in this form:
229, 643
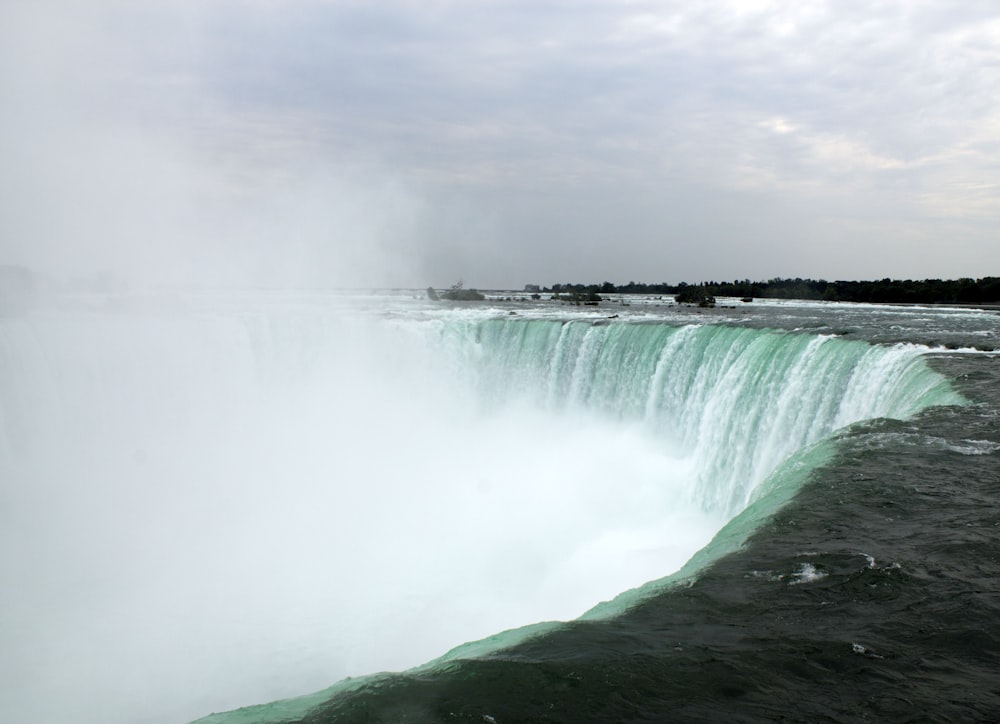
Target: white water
226, 501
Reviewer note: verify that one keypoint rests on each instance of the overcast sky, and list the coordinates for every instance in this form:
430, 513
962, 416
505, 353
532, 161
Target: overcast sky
413, 143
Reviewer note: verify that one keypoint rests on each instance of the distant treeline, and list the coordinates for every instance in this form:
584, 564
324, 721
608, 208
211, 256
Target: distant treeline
908, 291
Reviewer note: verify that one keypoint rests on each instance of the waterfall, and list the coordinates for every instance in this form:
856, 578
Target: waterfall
735, 401
246, 499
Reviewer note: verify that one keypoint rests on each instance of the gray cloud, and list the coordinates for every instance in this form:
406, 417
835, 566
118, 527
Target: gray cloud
405, 143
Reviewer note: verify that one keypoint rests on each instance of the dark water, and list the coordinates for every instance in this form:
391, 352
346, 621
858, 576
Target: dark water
872, 596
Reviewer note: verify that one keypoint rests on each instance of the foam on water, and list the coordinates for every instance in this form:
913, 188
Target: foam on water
807, 573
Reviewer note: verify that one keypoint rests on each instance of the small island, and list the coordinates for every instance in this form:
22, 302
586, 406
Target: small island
457, 293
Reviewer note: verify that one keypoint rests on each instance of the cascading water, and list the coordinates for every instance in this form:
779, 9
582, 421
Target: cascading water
238, 501
734, 401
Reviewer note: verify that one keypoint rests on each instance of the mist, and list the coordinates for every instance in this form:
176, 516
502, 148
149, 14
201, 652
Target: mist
119, 160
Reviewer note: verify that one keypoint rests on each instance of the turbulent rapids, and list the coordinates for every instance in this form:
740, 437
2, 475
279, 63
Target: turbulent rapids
259, 498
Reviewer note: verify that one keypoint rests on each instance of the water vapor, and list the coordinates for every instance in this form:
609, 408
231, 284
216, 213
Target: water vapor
119, 159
